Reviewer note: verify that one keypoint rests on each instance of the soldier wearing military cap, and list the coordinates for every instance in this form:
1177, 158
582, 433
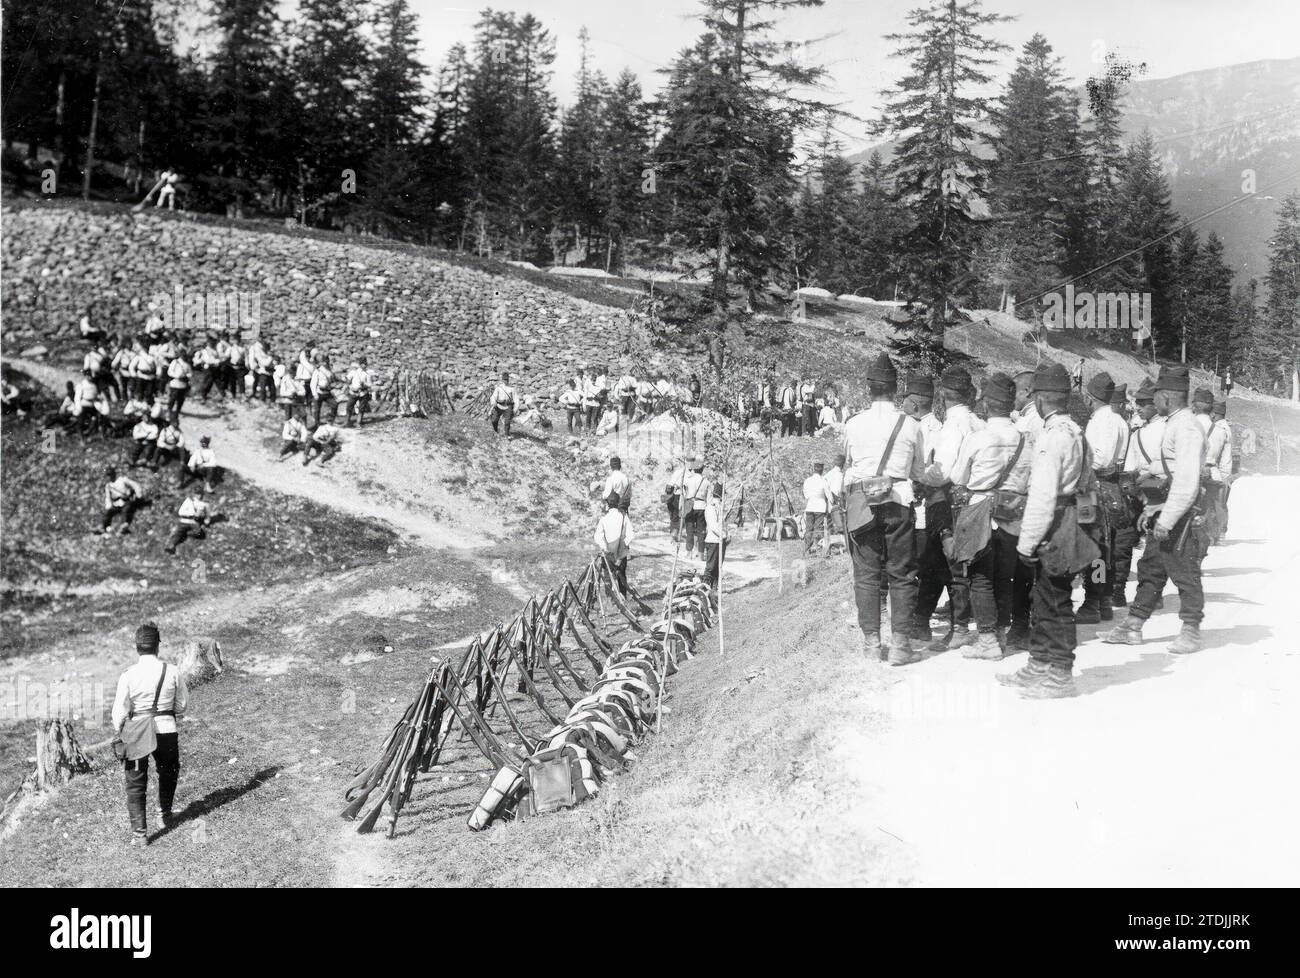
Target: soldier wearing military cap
1171, 484
1202, 407
155, 690
881, 463
993, 470
1030, 424
1107, 438
1052, 540
937, 570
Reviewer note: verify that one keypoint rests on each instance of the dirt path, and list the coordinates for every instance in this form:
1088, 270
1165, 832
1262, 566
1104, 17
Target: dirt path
403, 491
1164, 771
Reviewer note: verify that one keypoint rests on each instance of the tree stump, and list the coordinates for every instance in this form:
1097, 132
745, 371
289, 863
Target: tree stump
199, 661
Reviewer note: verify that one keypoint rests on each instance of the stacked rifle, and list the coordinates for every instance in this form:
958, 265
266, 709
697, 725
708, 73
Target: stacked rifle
560, 679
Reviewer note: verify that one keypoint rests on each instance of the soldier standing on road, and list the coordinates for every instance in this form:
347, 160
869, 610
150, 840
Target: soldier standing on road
1176, 546
1107, 435
151, 688
881, 446
1051, 540
1126, 532
1219, 460
1030, 424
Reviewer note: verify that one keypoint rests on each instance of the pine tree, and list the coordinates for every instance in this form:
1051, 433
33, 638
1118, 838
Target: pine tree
1104, 217
880, 223
825, 232
331, 68
241, 129
1034, 179
1214, 277
727, 155
626, 178
579, 160
395, 99
1148, 218
1241, 355
936, 172
1185, 303
1279, 344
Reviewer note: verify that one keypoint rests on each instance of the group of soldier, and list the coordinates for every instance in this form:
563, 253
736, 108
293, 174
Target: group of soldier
138, 388
800, 406
1007, 507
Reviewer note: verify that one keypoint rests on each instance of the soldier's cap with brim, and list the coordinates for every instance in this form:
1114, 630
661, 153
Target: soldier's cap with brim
1146, 392
882, 370
957, 379
999, 391
1203, 395
1051, 378
920, 384
1220, 407
1174, 378
1119, 396
147, 636
1101, 386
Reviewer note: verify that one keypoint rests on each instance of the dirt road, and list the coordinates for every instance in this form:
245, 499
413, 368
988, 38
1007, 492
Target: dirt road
1164, 771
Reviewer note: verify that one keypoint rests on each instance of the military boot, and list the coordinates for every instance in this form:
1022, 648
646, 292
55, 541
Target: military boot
1105, 608
1017, 638
1127, 632
986, 646
1188, 640
872, 647
1054, 684
1029, 673
900, 652
1117, 597
1088, 613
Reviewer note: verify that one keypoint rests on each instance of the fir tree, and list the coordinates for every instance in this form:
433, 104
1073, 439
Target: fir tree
937, 174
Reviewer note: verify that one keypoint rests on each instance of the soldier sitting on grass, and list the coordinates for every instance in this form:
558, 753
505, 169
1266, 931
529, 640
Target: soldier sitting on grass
193, 519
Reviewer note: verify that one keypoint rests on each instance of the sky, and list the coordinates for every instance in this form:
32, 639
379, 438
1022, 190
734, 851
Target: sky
1170, 36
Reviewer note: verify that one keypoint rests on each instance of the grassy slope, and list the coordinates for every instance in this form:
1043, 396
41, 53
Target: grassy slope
51, 502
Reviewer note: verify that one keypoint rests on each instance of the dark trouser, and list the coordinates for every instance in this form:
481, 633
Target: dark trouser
144, 388
811, 523
693, 528
807, 419
127, 510
236, 379
619, 569
176, 401
1097, 579
787, 423
183, 532
108, 383
319, 402
573, 421
359, 402
500, 413
885, 548
936, 572
592, 412
288, 446
142, 447
992, 576
713, 561
208, 473
674, 517
1051, 640
209, 378
167, 756
1163, 562
1022, 587
289, 407
325, 450
162, 455
628, 406
1121, 555
262, 386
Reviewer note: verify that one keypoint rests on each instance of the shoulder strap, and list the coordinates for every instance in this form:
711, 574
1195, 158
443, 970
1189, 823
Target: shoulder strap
1006, 470
1141, 447
158, 692
889, 445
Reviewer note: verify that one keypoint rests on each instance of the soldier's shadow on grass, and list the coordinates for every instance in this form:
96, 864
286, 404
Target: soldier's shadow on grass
1234, 571
215, 799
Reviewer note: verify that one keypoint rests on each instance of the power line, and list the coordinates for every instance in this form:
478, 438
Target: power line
1183, 227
